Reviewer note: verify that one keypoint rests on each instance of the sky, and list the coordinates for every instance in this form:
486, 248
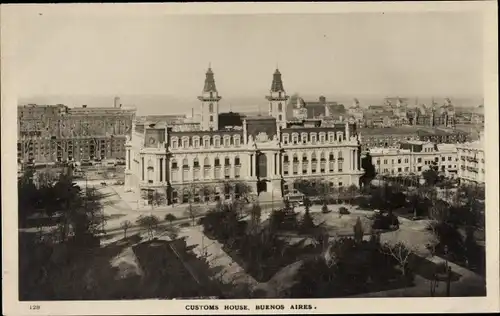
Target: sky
355, 54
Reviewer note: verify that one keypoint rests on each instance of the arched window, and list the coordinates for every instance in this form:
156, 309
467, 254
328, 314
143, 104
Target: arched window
280, 117
280, 106
206, 162
196, 163
211, 108
185, 163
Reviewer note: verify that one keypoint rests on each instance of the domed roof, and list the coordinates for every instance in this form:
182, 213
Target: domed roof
297, 102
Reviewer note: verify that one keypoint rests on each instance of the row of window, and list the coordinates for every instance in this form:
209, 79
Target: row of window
419, 160
206, 163
207, 141
314, 168
322, 157
311, 138
207, 173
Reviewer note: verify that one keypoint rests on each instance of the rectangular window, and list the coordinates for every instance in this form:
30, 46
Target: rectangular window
340, 166
217, 162
419, 168
419, 160
443, 158
237, 161
206, 143
237, 142
399, 161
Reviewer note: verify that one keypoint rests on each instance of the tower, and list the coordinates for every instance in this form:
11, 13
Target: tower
209, 108
277, 99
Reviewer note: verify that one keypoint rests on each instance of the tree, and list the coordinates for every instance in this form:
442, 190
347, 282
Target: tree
401, 252
255, 216
439, 211
192, 211
170, 218
369, 168
157, 199
358, 231
243, 190
351, 191
125, 225
148, 222
431, 175
307, 223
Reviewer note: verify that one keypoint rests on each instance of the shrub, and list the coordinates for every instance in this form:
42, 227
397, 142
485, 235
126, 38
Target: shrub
324, 209
385, 221
344, 211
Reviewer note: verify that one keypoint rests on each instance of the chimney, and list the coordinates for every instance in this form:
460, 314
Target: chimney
117, 102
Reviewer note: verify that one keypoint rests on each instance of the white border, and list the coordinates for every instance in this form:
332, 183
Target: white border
373, 305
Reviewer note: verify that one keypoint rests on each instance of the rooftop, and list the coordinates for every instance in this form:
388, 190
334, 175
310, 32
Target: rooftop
403, 130
383, 150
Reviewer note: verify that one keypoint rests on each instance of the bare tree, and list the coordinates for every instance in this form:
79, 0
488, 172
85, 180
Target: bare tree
125, 225
192, 211
401, 252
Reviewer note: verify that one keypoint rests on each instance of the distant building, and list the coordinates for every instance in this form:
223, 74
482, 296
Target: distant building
57, 133
386, 137
356, 112
471, 164
414, 157
439, 136
298, 108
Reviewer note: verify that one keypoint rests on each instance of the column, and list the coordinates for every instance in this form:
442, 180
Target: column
166, 170
191, 168
157, 169
309, 163
356, 161
299, 157
252, 165
232, 166
212, 159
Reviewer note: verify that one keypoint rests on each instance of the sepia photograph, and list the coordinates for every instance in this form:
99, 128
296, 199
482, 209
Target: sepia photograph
212, 159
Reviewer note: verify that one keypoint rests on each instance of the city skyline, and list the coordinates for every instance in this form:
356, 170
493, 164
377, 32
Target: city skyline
318, 54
